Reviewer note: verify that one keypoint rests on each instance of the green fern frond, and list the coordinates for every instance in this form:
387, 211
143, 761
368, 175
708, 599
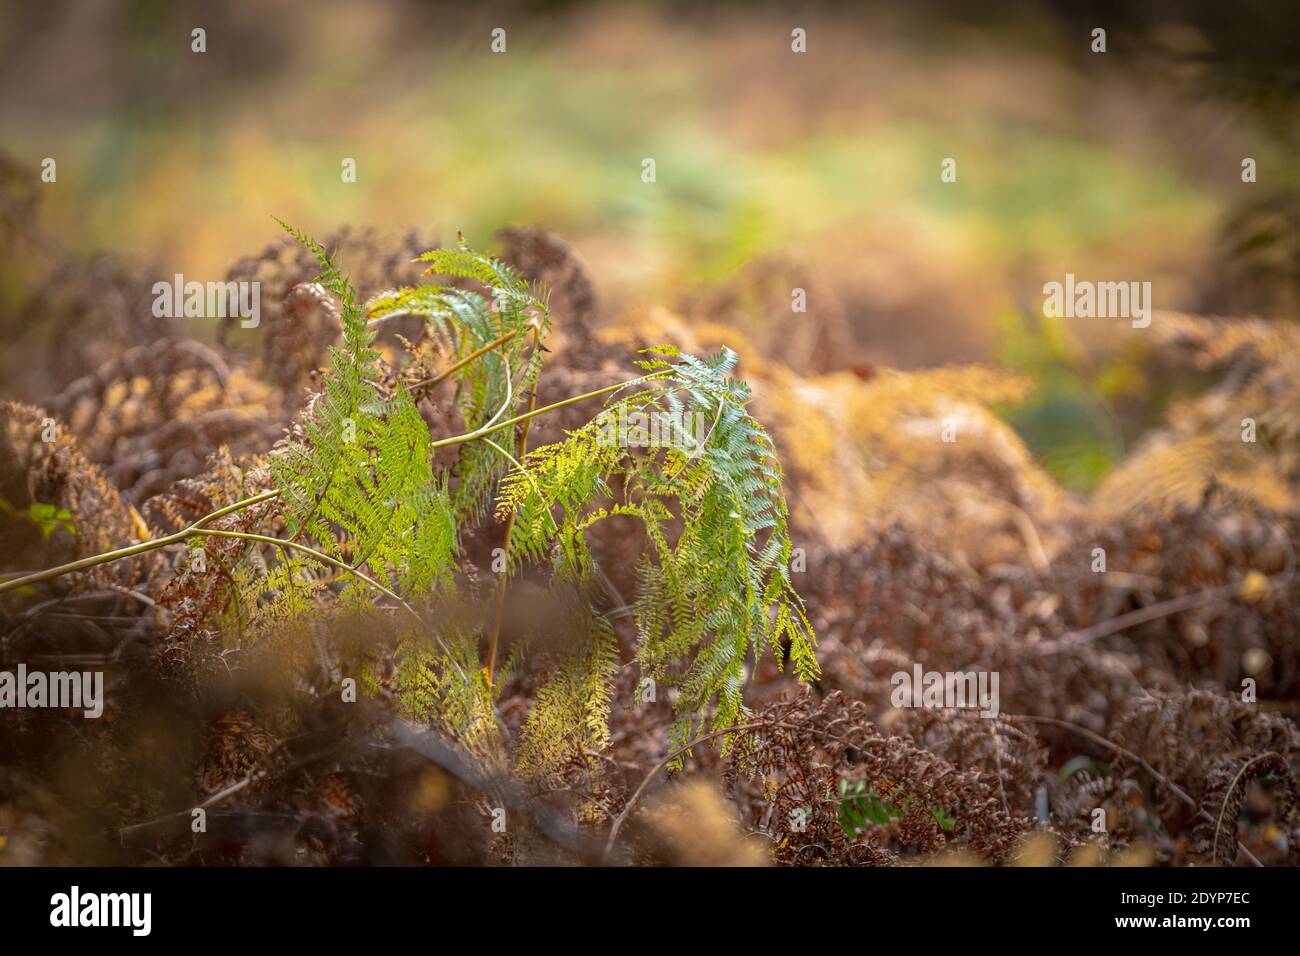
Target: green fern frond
361, 479
689, 462
715, 589
463, 321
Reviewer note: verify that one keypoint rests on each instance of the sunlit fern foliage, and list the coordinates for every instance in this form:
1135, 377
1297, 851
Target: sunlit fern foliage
715, 586
462, 322
363, 466
358, 483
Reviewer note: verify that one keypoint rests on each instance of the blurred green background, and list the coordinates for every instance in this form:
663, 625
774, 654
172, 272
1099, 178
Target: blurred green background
1124, 165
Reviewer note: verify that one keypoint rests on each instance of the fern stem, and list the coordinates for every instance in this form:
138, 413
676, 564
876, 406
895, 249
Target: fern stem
1227, 796
521, 450
180, 536
317, 555
488, 430
452, 369
134, 549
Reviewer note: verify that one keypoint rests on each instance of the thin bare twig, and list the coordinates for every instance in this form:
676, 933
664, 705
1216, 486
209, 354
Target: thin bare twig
1152, 612
1173, 788
132, 550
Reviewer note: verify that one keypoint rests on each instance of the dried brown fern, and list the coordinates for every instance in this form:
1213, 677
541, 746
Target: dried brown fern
43, 466
798, 753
